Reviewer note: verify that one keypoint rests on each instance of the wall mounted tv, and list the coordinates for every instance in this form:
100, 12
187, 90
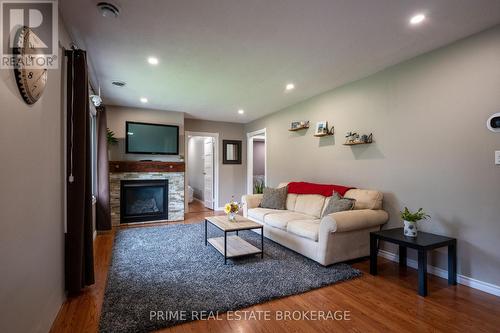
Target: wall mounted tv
143, 138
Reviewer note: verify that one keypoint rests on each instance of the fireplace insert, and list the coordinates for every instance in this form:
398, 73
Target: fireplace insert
143, 200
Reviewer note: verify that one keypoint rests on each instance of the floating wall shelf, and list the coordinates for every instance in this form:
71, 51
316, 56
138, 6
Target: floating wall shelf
356, 143
322, 135
298, 128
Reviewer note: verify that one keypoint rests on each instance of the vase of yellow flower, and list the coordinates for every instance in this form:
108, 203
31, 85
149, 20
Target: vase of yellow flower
231, 209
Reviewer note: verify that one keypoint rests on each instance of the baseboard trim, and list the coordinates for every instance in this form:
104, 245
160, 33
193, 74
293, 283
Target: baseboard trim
461, 279
220, 209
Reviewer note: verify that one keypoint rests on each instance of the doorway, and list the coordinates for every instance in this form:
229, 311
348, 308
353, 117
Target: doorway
257, 161
201, 172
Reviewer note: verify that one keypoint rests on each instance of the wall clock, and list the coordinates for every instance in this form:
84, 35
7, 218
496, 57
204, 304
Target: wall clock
30, 81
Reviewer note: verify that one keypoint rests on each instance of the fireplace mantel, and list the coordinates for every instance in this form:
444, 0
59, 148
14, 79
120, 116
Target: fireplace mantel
149, 166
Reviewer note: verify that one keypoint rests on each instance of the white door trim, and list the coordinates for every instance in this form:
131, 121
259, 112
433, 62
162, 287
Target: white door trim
208, 145
250, 137
216, 165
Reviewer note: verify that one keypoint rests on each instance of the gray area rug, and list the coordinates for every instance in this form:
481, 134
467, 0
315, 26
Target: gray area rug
170, 269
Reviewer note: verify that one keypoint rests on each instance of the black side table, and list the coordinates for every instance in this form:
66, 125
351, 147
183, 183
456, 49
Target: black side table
422, 243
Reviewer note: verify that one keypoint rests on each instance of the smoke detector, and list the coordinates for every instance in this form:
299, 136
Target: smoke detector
118, 83
108, 10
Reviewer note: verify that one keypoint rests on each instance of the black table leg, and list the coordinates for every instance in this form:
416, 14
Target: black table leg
225, 247
422, 272
206, 237
452, 263
236, 232
262, 242
402, 256
373, 254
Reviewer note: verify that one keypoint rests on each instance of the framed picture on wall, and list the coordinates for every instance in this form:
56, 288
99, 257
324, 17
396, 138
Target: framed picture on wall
321, 127
231, 151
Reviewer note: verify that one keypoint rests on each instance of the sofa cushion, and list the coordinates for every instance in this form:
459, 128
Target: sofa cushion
365, 199
280, 220
274, 198
304, 228
338, 204
291, 199
259, 213
310, 204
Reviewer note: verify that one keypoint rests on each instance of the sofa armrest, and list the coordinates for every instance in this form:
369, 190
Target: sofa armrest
353, 220
250, 201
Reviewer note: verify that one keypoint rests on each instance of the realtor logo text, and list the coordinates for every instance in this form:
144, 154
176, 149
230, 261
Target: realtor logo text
312, 315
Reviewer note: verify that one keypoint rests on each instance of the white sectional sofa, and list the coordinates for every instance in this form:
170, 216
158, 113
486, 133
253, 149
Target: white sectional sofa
334, 238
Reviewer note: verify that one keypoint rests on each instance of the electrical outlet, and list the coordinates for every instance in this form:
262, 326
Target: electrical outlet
497, 157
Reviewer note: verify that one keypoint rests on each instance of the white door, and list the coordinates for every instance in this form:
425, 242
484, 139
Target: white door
208, 173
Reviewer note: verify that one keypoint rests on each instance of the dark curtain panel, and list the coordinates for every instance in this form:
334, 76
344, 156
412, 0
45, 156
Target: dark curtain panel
79, 253
103, 211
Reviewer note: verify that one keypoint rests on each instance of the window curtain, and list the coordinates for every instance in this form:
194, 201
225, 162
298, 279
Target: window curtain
103, 211
79, 253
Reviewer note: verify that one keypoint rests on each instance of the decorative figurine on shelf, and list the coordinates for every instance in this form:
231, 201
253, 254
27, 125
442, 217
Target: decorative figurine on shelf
231, 209
322, 128
366, 138
370, 138
352, 137
295, 125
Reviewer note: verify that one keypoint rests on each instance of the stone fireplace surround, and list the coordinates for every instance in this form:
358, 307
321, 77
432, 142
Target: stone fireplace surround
128, 170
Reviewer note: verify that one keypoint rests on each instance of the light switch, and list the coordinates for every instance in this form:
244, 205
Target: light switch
497, 157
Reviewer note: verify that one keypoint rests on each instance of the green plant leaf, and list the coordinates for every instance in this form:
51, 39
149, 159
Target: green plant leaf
419, 215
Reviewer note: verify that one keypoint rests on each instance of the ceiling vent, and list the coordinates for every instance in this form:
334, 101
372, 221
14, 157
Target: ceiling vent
118, 83
108, 10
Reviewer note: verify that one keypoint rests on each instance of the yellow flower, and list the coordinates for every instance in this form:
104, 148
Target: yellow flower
227, 208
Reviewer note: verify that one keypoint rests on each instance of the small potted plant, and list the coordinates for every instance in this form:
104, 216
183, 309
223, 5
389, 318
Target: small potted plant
410, 220
231, 209
112, 140
258, 188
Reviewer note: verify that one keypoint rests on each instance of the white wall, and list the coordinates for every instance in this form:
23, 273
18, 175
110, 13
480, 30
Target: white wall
195, 165
118, 115
431, 150
31, 204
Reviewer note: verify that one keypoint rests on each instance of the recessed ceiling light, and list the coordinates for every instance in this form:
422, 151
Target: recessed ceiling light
144, 100
241, 111
417, 19
153, 61
290, 86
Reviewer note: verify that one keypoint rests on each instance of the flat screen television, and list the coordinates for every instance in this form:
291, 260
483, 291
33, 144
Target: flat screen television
143, 138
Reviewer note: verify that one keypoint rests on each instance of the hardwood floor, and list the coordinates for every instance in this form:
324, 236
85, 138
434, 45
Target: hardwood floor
197, 207
384, 303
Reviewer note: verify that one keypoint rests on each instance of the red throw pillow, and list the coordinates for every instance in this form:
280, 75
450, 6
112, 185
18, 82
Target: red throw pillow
312, 188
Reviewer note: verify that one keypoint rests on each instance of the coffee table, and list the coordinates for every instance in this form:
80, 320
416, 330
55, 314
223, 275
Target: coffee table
422, 243
233, 246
